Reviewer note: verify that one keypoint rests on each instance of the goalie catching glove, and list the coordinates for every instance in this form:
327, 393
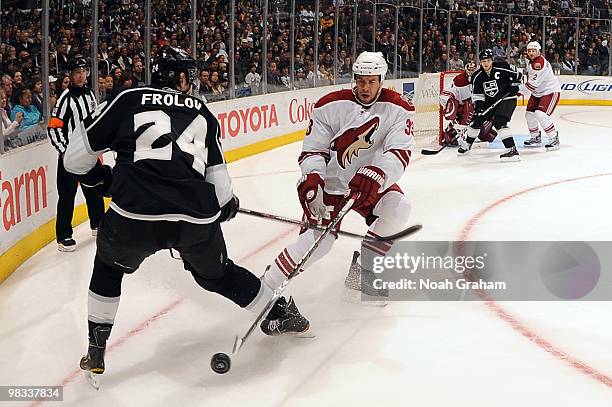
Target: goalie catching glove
310, 194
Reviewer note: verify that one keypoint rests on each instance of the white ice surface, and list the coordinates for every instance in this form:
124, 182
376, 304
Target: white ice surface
406, 354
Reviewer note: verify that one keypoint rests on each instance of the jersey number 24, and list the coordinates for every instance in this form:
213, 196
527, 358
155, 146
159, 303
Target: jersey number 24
191, 141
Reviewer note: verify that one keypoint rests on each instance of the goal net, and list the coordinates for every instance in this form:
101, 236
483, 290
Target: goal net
429, 121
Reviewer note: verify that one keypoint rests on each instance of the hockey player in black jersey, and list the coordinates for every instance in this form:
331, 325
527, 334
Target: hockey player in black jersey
494, 88
170, 189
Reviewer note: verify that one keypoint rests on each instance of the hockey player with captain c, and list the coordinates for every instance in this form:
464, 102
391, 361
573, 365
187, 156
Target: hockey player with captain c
358, 141
494, 88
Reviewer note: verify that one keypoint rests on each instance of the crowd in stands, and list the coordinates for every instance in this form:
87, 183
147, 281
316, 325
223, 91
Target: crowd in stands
121, 43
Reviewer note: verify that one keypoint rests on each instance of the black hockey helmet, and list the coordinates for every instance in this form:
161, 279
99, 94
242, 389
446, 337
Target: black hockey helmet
168, 65
78, 62
485, 54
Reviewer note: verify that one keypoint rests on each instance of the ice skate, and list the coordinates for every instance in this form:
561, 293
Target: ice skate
534, 141
360, 286
553, 143
66, 245
285, 318
93, 362
464, 147
510, 155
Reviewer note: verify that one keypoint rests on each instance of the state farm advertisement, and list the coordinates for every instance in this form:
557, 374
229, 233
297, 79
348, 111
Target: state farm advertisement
28, 193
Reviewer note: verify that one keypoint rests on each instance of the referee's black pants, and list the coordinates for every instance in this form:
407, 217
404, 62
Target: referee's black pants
67, 186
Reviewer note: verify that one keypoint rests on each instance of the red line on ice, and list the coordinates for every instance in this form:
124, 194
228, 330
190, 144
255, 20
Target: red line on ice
163, 312
519, 327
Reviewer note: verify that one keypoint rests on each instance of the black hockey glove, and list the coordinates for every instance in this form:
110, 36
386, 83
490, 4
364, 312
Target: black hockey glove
100, 178
230, 209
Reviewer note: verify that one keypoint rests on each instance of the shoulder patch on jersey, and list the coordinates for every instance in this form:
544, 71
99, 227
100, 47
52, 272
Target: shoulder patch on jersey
389, 96
343, 94
538, 63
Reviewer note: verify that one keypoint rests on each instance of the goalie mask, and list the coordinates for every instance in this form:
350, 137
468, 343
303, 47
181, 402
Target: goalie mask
168, 66
470, 68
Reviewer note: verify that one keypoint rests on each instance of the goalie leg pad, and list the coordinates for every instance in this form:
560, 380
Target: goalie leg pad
464, 117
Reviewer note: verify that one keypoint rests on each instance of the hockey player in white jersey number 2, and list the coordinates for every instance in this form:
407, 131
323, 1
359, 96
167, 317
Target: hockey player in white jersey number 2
545, 91
358, 140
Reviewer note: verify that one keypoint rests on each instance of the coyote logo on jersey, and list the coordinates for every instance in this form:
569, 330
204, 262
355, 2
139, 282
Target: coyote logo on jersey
348, 144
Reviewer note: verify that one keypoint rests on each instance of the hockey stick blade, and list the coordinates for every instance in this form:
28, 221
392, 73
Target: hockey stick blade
400, 235
434, 152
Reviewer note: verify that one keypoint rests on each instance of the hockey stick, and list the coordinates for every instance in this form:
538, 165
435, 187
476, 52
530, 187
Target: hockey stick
434, 152
406, 232
220, 362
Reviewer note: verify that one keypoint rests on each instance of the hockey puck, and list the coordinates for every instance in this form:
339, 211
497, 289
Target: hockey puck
220, 363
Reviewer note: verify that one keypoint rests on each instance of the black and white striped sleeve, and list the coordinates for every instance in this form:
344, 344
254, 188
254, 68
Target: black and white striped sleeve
58, 124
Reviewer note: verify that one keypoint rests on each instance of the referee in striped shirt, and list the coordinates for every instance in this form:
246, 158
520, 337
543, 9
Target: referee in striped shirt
72, 106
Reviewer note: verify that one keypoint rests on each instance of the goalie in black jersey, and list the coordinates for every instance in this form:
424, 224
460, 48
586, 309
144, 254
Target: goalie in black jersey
494, 88
170, 189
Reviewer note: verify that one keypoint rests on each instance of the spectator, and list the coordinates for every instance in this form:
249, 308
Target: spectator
217, 89
285, 78
109, 84
590, 63
556, 63
31, 115
7, 87
17, 80
455, 64
204, 85
138, 74
8, 126
101, 88
117, 72
568, 66
37, 100
345, 69
253, 80
301, 82
65, 83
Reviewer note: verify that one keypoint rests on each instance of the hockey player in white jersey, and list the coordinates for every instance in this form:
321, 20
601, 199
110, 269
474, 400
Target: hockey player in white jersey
545, 92
358, 141
457, 107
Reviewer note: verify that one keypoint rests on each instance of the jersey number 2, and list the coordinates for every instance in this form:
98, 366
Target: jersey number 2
192, 141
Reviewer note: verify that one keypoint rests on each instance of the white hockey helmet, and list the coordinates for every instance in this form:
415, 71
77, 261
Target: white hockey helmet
370, 63
534, 45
